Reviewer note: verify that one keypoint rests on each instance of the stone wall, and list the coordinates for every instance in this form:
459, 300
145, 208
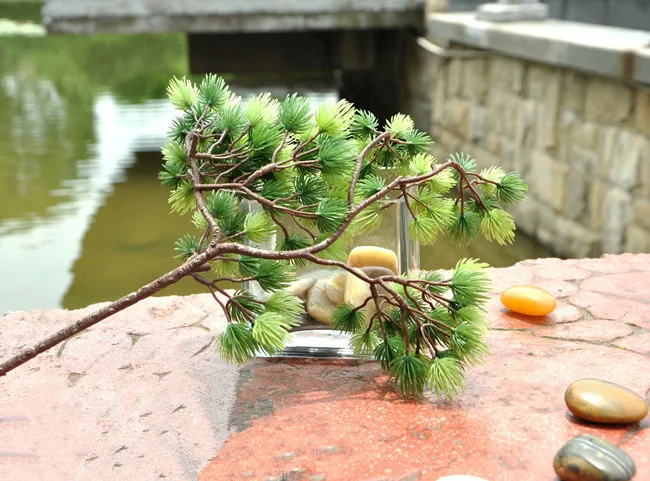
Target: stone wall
582, 142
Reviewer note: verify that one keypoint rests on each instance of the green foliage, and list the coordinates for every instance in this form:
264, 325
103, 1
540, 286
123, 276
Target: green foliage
294, 114
182, 93
445, 377
330, 213
259, 227
364, 343
498, 225
187, 245
511, 188
409, 374
334, 119
214, 92
301, 161
346, 318
237, 344
364, 124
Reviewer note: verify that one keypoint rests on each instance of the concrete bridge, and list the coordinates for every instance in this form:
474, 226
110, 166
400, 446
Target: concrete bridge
357, 45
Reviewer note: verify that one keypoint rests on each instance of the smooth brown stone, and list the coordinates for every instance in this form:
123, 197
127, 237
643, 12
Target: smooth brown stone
589, 458
366, 256
357, 290
604, 402
300, 288
335, 287
318, 304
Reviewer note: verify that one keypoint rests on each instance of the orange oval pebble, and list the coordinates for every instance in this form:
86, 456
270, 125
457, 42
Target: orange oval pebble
529, 300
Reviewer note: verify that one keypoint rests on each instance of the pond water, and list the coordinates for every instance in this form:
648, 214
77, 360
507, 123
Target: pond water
83, 218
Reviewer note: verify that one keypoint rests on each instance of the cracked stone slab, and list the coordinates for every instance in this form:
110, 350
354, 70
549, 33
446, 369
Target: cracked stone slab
166, 407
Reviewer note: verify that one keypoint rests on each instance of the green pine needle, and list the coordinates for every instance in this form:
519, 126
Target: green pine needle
424, 230
494, 174
233, 226
294, 114
248, 266
399, 124
180, 126
465, 227
512, 188
421, 164
172, 175
467, 343
274, 275
182, 198
226, 268
369, 186
364, 343
498, 225
330, 214
347, 319
182, 93
232, 117
187, 245
338, 250
174, 152
336, 157
222, 205
388, 350
409, 375
259, 227
264, 139
465, 161
445, 377
368, 221
442, 182
334, 119
310, 189
240, 304
364, 124
473, 316
276, 189
292, 243
417, 142
470, 283
286, 305
237, 344
262, 109
214, 92
199, 221
270, 332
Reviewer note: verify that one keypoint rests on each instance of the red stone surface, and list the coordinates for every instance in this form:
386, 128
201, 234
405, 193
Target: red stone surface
144, 396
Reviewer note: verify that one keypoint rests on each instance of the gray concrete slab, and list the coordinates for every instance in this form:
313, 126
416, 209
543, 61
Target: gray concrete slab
227, 16
609, 51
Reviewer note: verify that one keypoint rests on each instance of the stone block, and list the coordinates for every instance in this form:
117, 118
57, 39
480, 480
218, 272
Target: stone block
548, 180
509, 155
621, 156
542, 81
637, 239
642, 212
474, 75
607, 101
618, 211
642, 112
566, 122
457, 116
581, 163
507, 74
525, 124
564, 237
526, 215
477, 122
574, 92
483, 157
545, 85
455, 77
439, 97
596, 204
512, 12
493, 142
447, 142
586, 134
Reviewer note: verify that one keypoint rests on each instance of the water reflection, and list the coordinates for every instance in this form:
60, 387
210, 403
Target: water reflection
83, 218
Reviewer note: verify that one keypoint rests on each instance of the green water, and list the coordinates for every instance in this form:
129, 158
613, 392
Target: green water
82, 216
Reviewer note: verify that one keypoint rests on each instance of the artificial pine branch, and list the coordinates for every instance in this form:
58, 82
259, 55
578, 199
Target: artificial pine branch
324, 170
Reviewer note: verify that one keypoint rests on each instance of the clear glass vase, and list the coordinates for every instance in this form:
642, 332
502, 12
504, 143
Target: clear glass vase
315, 338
